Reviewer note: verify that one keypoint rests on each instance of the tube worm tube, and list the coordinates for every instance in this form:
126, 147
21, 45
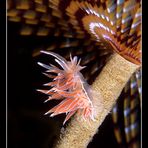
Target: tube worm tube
109, 84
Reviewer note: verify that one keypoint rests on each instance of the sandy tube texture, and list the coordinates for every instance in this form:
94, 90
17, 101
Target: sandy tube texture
109, 84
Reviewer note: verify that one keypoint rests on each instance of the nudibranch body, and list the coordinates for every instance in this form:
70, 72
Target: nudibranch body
69, 86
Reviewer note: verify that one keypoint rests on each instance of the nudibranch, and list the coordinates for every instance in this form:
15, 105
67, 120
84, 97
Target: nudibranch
111, 24
69, 86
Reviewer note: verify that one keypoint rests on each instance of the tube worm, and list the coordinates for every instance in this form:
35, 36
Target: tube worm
115, 27
109, 83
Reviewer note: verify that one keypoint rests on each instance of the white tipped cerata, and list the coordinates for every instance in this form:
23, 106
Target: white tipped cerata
69, 86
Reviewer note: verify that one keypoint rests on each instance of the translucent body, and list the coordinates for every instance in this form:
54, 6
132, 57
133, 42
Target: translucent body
69, 86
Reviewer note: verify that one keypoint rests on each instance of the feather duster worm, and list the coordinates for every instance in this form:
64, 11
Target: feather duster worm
69, 86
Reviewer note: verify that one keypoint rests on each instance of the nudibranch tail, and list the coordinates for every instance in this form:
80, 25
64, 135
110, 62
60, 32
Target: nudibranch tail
69, 86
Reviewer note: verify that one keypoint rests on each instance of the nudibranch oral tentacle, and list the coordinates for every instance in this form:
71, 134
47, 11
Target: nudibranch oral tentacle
70, 87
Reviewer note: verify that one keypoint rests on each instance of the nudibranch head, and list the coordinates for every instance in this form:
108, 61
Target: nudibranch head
69, 86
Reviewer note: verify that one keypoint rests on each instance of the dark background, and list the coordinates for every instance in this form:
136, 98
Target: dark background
27, 125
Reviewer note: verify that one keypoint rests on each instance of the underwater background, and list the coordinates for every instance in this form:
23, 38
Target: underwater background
27, 124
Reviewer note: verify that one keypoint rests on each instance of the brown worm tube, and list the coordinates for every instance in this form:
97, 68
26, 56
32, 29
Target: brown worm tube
109, 84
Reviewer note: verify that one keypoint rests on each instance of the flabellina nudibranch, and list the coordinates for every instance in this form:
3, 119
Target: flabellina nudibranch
69, 86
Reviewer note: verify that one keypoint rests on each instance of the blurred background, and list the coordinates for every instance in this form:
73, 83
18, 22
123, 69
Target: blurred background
27, 125
32, 26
